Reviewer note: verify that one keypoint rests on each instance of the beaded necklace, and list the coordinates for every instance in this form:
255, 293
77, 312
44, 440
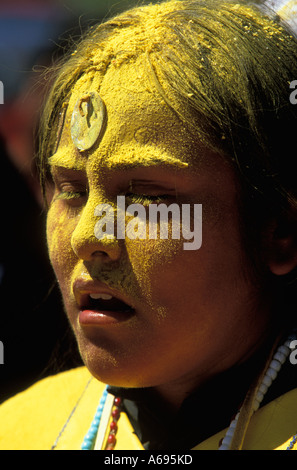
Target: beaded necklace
235, 434
111, 407
108, 406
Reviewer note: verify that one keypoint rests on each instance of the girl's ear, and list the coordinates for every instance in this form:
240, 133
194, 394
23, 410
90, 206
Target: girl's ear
280, 246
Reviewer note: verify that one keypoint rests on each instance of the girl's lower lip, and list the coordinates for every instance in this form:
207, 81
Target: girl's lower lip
101, 318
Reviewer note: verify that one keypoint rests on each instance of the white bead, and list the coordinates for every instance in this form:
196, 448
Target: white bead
224, 447
271, 373
263, 388
267, 380
288, 343
284, 350
275, 365
256, 405
280, 357
259, 397
227, 440
233, 423
230, 432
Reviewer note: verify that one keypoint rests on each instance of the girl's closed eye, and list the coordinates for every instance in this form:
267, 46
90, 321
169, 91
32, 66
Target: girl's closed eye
146, 199
149, 192
69, 187
72, 194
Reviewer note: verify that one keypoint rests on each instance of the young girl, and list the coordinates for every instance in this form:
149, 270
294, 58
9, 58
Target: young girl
182, 108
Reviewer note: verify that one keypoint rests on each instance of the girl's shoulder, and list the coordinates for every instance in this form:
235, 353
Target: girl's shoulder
54, 410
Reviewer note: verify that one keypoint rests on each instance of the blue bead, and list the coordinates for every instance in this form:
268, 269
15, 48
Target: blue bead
85, 447
87, 444
91, 434
99, 410
292, 443
93, 429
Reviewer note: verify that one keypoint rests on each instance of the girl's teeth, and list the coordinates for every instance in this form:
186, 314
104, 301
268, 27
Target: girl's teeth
101, 296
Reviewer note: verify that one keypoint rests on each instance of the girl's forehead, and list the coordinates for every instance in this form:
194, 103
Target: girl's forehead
124, 118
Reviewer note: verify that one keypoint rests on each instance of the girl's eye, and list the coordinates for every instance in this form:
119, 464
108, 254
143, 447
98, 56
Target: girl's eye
71, 186
146, 199
72, 196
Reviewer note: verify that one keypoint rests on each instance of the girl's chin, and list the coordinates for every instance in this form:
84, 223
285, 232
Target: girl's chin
116, 370
104, 365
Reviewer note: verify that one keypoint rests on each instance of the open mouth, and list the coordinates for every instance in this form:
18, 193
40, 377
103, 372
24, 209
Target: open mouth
107, 303
103, 309
98, 305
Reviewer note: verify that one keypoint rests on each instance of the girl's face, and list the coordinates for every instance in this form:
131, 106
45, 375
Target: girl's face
176, 315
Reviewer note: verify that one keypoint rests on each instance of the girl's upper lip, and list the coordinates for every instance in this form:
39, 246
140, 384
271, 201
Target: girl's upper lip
82, 288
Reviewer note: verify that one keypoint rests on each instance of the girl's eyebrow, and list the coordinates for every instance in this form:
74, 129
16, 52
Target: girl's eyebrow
135, 161
67, 159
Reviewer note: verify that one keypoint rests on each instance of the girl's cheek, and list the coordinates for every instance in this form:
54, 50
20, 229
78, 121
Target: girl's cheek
59, 230
148, 258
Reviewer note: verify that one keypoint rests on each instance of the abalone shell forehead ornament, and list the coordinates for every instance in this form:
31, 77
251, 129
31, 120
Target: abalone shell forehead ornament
88, 120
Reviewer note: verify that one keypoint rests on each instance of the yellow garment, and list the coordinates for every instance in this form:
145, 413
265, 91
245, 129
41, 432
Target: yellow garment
33, 419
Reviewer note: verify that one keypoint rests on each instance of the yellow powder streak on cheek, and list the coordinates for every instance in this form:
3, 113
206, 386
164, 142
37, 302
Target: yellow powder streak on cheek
59, 229
117, 273
148, 258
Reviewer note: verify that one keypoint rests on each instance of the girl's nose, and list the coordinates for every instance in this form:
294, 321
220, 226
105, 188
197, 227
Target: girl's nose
86, 245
